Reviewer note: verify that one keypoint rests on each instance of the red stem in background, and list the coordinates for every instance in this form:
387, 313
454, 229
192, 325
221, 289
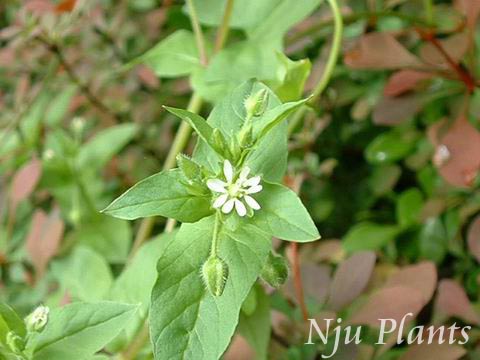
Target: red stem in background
462, 73
295, 183
297, 279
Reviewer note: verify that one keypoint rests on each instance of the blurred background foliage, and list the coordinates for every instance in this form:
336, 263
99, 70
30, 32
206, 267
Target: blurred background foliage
387, 159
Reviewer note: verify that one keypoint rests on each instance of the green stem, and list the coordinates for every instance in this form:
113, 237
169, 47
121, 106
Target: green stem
216, 231
329, 67
179, 143
224, 28
428, 4
349, 19
197, 29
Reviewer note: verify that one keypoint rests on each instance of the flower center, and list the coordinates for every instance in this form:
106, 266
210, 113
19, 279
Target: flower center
234, 190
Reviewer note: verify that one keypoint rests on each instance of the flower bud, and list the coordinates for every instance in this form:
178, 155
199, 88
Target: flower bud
77, 125
256, 104
275, 270
37, 320
15, 342
215, 274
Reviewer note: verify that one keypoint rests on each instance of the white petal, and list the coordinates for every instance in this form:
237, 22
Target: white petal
216, 185
241, 210
228, 206
252, 202
252, 181
244, 173
228, 171
219, 201
254, 189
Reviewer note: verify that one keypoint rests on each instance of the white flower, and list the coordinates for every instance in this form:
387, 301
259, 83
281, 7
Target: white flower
235, 193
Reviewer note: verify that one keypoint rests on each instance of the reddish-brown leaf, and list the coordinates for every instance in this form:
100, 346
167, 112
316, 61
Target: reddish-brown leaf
147, 76
473, 238
404, 81
351, 278
25, 181
470, 9
457, 152
239, 349
452, 301
65, 6
421, 277
380, 51
395, 110
316, 282
389, 303
456, 46
44, 238
435, 351
39, 7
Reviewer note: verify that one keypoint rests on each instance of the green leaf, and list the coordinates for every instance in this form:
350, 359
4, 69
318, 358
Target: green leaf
199, 124
174, 56
283, 215
255, 327
270, 156
160, 194
108, 236
234, 65
390, 147
433, 241
77, 331
59, 105
10, 321
84, 274
409, 207
275, 116
292, 76
104, 145
369, 236
135, 283
187, 322
286, 13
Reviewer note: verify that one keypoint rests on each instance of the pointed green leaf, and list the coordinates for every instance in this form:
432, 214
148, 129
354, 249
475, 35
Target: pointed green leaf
77, 331
160, 194
10, 321
283, 215
270, 156
186, 321
199, 124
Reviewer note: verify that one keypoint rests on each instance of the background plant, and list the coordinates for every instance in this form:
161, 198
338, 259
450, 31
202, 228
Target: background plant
385, 156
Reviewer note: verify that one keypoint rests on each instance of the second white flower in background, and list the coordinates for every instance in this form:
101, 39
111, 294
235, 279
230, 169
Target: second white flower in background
235, 192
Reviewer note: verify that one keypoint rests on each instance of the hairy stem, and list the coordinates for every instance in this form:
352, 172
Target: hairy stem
216, 230
329, 67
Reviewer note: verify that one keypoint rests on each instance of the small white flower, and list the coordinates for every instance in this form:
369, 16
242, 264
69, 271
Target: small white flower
235, 193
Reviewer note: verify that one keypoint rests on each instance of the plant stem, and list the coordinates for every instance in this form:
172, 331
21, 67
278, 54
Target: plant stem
329, 67
216, 230
179, 143
428, 4
224, 28
348, 19
197, 29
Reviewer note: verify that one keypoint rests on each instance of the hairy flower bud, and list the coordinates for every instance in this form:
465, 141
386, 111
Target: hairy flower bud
215, 274
256, 104
275, 270
37, 320
15, 342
